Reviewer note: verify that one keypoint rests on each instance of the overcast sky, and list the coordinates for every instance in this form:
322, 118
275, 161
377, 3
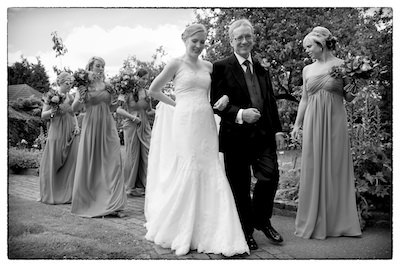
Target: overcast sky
112, 33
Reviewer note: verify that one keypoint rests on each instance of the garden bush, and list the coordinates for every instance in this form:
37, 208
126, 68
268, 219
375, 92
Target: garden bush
20, 159
24, 120
372, 154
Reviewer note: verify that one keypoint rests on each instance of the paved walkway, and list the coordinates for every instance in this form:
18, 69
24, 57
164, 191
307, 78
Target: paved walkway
376, 242
27, 187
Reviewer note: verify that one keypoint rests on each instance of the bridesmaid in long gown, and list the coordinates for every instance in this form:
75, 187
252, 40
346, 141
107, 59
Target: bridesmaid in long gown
57, 166
327, 202
99, 185
189, 203
137, 132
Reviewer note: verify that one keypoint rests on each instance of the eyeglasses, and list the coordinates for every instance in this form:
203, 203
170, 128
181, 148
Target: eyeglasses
242, 37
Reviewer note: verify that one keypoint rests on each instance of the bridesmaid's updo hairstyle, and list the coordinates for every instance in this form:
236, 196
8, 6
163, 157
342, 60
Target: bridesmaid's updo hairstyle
141, 72
63, 77
135, 93
323, 37
89, 65
193, 29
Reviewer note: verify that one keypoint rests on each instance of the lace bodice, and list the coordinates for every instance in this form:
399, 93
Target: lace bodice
193, 84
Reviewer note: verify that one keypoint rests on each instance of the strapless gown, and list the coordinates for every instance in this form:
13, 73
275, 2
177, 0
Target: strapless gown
189, 203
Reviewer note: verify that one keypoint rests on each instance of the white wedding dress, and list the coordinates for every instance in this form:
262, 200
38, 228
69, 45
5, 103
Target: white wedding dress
189, 203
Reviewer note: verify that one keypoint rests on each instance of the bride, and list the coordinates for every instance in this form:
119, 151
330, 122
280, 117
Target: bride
189, 204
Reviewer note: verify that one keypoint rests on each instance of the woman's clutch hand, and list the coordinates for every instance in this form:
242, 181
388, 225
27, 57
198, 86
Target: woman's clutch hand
136, 120
77, 130
295, 133
221, 103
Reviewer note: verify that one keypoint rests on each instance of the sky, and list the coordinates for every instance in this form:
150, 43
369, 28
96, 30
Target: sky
111, 33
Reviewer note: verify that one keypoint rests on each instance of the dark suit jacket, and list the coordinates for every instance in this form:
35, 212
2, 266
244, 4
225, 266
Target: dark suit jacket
228, 78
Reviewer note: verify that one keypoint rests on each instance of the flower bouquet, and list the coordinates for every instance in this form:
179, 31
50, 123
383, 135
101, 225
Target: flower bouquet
358, 69
169, 90
53, 98
113, 92
124, 83
82, 80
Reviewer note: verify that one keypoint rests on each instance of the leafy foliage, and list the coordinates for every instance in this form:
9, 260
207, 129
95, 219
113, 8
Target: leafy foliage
19, 159
58, 46
40, 141
24, 120
32, 74
371, 150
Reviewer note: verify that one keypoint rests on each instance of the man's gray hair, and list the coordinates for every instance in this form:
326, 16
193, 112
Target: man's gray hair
237, 24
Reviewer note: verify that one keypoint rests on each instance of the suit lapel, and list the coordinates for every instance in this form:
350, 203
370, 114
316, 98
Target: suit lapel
238, 73
260, 72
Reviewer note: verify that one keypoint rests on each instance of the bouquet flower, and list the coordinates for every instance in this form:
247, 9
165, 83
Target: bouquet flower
53, 98
169, 90
82, 80
356, 68
124, 83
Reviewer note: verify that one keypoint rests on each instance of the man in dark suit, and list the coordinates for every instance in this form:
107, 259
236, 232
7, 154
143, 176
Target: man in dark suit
250, 132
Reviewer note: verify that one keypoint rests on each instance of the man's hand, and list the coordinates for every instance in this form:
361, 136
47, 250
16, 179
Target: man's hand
280, 141
251, 115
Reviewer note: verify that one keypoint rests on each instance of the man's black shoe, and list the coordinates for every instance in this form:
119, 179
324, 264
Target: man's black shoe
271, 234
251, 243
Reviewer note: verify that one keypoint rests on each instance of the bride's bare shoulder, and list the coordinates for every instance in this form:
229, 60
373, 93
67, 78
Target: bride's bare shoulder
208, 65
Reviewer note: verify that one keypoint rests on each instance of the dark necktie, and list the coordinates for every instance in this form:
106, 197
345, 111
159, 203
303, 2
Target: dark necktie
254, 90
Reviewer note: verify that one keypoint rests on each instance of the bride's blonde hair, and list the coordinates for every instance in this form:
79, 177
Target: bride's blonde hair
193, 29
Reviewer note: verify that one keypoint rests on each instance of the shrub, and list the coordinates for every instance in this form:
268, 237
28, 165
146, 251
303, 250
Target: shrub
31, 105
40, 141
24, 121
28, 129
19, 159
371, 150
289, 175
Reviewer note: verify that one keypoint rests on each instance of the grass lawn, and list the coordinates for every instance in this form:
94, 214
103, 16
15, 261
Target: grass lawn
39, 231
